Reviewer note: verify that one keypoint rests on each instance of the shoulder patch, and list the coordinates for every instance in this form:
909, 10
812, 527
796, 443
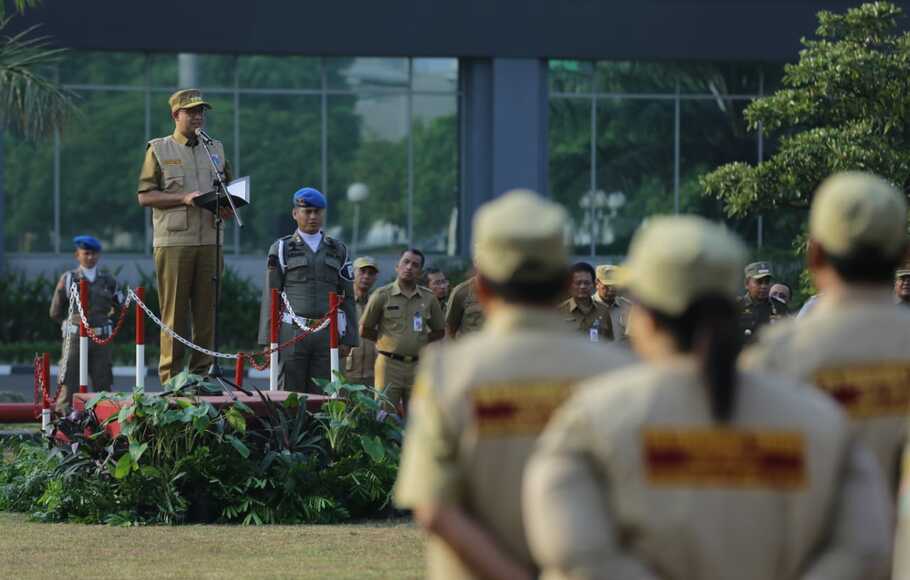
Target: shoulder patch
724, 458
869, 390
517, 409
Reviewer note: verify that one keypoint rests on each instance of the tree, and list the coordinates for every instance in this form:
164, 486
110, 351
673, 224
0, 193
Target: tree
844, 106
30, 103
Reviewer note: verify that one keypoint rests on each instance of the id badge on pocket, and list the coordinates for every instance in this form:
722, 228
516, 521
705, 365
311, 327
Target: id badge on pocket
418, 322
594, 335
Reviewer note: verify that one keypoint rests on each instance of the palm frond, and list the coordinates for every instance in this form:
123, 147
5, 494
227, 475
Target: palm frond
31, 104
20, 6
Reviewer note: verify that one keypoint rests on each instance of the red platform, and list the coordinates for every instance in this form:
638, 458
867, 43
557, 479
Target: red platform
108, 408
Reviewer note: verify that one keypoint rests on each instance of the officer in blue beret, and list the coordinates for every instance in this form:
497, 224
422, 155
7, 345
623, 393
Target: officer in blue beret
306, 265
104, 298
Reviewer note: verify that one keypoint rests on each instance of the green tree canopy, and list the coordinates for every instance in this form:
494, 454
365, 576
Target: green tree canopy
845, 105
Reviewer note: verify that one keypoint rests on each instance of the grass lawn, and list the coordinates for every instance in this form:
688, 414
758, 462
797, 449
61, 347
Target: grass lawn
373, 550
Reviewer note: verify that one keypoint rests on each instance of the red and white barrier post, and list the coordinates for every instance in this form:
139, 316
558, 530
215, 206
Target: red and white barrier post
238, 370
83, 338
333, 335
273, 341
45, 393
140, 341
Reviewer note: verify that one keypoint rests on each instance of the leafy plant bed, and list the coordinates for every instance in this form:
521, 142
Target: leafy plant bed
180, 459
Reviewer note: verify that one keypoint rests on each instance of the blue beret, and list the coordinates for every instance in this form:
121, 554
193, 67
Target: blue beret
309, 197
87, 243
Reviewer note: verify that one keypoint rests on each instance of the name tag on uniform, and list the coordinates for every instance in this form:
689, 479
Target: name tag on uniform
418, 322
870, 390
173, 162
725, 458
517, 409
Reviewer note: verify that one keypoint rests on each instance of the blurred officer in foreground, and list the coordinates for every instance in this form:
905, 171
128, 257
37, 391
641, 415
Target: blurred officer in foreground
307, 265
402, 317
464, 314
439, 286
581, 311
607, 293
362, 360
682, 468
103, 300
479, 403
756, 309
855, 345
902, 284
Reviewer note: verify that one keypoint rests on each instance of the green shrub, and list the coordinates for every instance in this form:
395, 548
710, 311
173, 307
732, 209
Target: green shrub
178, 459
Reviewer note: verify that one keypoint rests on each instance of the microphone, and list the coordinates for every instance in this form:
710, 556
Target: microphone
204, 136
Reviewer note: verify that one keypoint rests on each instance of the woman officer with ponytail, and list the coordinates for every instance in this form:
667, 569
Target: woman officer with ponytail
682, 467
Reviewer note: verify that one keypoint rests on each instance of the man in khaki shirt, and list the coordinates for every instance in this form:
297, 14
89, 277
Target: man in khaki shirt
463, 314
589, 317
402, 318
855, 345
439, 286
175, 171
902, 284
480, 402
683, 468
362, 360
606, 293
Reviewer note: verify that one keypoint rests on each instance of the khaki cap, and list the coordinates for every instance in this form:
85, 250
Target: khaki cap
365, 262
520, 236
758, 270
675, 260
608, 274
855, 209
903, 269
187, 99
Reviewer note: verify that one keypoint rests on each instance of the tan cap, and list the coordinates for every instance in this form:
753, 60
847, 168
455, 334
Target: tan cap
365, 262
607, 274
855, 209
903, 269
187, 99
758, 270
675, 260
520, 236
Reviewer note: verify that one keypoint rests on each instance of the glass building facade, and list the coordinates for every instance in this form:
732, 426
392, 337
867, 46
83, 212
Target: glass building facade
626, 140
287, 122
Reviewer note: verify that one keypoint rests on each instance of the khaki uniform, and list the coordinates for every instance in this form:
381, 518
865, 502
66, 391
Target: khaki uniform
185, 241
855, 347
619, 316
360, 365
754, 315
594, 321
634, 480
403, 323
464, 313
307, 278
478, 407
103, 299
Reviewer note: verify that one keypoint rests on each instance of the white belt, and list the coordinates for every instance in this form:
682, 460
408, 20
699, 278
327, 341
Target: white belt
69, 328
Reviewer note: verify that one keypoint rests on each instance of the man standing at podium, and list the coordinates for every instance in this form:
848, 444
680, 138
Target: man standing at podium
176, 170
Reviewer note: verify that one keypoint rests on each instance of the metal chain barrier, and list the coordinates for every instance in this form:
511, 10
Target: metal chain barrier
303, 334
170, 332
74, 292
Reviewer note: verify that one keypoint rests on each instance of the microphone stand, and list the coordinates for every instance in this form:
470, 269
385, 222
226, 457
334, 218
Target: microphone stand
216, 372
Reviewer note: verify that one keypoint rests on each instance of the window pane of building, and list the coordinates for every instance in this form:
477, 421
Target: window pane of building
279, 72
571, 76
435, 205
635, 77
570, 163
634, 168
719, 78
280, 149
367, 143
28, 182
367, 73
435, 74
103, 68
100, 157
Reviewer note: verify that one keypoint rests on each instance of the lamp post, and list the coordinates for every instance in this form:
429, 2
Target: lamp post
357, 192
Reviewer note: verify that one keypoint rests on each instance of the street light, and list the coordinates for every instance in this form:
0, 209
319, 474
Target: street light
357, 192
